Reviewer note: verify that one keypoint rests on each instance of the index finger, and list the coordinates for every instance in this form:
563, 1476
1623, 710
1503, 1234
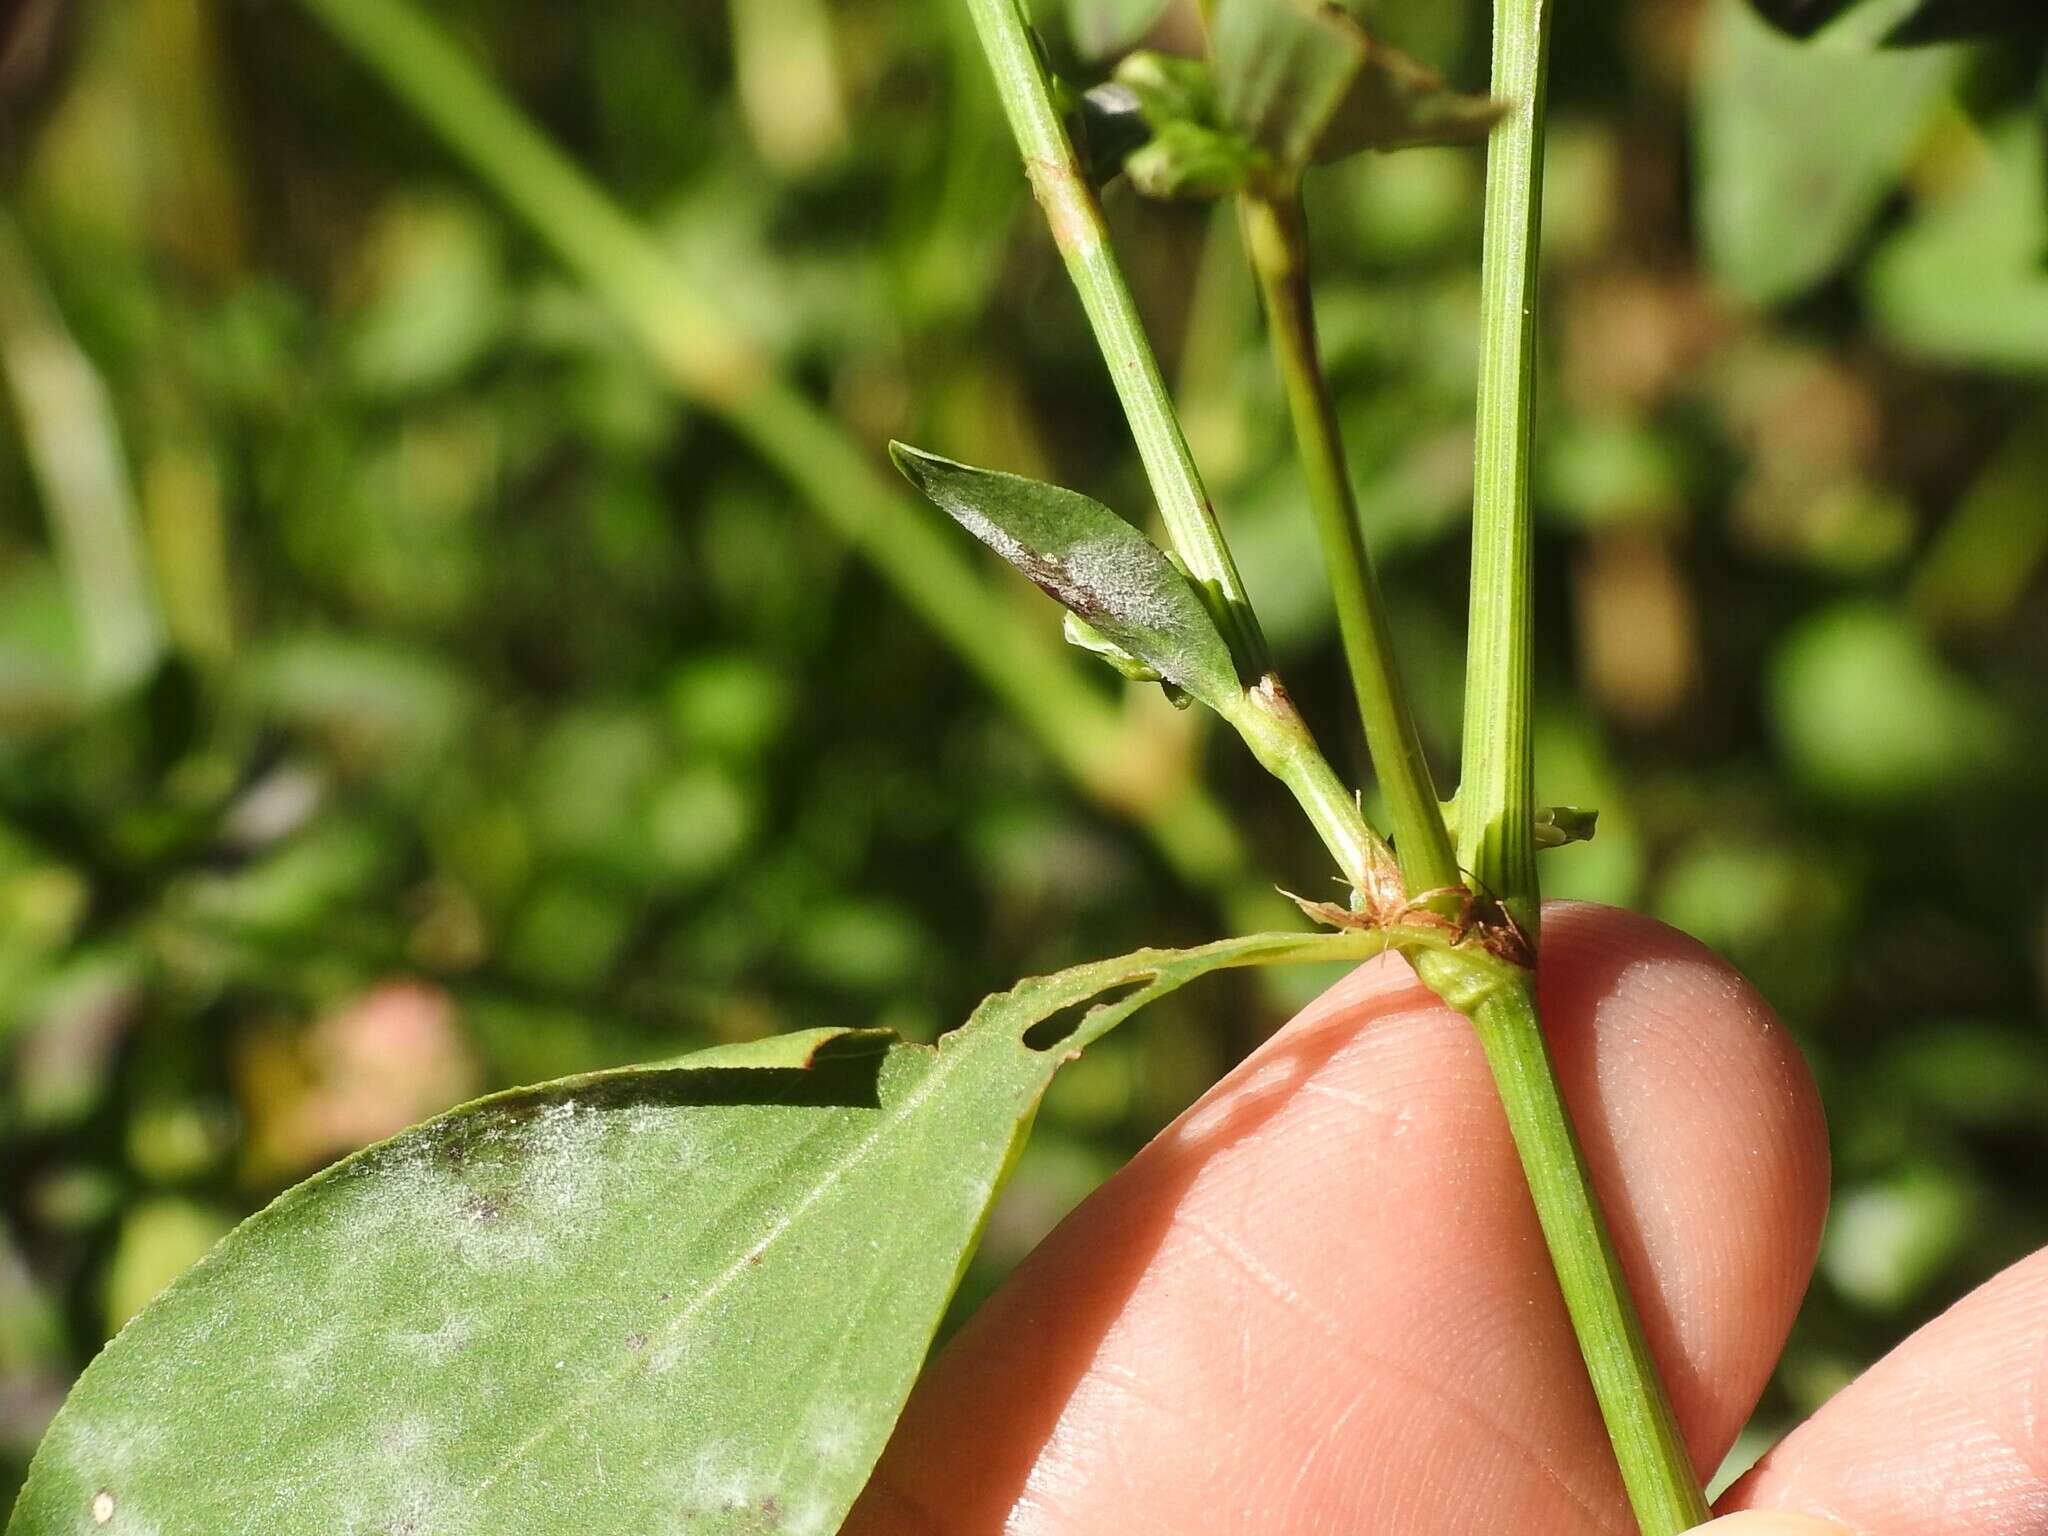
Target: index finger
1320, 1300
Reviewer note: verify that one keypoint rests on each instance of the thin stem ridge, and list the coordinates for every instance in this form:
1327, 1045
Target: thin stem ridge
1496, 791
1276, 235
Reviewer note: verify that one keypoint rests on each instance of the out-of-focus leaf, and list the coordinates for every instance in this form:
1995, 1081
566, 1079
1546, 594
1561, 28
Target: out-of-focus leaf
1169, 88
434, 296
1799, 148
1887, 1241
73, 445
1293, 81
1874, 23
160, 1239
385, 707
1283, 68
1188, 160
1991, 549
1967, 281
693, 1294
1090, 560
1867, 711
1102, 29
1397, 103
1303, 81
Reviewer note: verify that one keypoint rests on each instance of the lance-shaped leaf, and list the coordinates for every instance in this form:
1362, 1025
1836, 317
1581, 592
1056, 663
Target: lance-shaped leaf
681, 1298
1093, 562
1303, 81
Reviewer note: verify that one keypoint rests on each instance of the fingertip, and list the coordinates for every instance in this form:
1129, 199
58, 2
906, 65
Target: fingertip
1705, 1136
1772, 1523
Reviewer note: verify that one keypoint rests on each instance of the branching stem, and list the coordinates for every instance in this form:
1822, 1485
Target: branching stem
1276, 235
1267, 719
1077, 228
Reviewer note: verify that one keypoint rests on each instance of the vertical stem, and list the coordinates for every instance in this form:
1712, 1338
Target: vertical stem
1496, 804
1496, 792
1276, 235
1264, 716
1655, 1466
1078, 230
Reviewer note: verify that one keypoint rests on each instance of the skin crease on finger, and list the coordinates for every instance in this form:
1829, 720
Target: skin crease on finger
1320, 1301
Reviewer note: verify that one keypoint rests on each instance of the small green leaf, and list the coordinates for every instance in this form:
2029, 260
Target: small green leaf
1080, 632
1557, 825
1102, 29
1171, 89
1303, 82
690, 1297
1185, 160
1093, 562
1092, 640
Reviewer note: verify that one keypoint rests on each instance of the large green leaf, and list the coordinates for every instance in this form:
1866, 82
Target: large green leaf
1799, 147
681, 1298
1093, 562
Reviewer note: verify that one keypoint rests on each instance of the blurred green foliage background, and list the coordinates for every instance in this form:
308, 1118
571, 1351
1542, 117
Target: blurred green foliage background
422, 669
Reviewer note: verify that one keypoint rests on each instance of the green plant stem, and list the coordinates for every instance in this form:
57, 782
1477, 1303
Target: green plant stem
1496, 805
1655, 1467
706, 360
1276, 236
1496, 791
1280, 739
1265, 715
1077, 228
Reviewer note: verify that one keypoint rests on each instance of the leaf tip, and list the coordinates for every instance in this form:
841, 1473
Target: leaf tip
910, 462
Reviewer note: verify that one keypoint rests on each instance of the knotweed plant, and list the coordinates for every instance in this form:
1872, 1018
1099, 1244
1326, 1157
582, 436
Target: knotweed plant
696, 1294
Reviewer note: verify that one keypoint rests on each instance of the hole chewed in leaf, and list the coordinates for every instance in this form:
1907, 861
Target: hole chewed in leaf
1060, 1026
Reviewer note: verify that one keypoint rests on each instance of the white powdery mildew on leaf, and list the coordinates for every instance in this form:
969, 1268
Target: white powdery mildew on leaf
108, 1460
813, 1517
436, 1346
298, 1367
667, 1355
1128, 576
832, 1430
1099, 578
507, 1196
111, 1450
394, 1505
